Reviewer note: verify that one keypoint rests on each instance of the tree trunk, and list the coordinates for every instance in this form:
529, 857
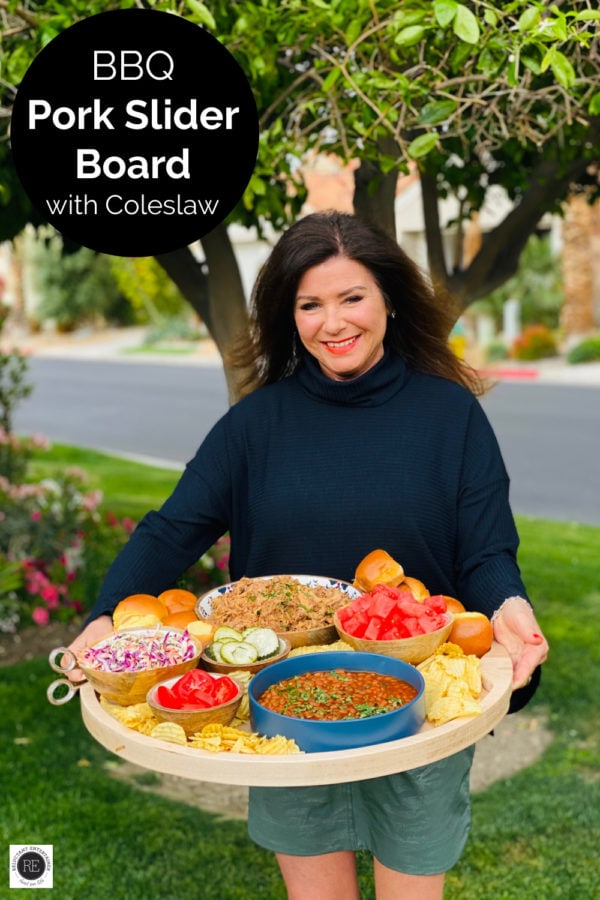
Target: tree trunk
215, 291
578, 263
375, 192
191, 279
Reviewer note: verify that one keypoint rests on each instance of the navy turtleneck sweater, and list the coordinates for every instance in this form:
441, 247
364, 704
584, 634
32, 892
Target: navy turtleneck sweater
308, 475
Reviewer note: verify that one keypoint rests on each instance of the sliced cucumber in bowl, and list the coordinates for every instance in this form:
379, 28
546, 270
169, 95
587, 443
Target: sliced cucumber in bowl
240, 653
243, 647
265, 640
226, 633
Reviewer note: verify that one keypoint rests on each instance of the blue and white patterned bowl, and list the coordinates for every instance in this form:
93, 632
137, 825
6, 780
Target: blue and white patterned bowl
325, 634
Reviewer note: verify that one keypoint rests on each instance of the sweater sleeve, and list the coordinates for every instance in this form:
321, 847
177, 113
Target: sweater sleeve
487, 539
168, 541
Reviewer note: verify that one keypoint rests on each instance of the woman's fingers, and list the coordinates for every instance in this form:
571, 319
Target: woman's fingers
91, 634
516, 628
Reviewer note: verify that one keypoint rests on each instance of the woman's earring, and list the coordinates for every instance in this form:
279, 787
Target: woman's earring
393, 314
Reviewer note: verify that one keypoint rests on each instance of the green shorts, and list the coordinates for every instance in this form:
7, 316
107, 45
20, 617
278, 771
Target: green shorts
415, 822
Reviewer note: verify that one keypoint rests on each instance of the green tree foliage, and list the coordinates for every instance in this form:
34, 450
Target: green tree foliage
469, 94
473, 95
153, 296
76, 288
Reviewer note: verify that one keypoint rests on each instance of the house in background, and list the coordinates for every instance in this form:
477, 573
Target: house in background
330, 185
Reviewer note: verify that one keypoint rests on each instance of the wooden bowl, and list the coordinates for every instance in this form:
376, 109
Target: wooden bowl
325, 635
126, 688
223, 668
193, 720
411, 650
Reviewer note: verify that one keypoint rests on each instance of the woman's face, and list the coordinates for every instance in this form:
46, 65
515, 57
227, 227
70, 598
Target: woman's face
341, 317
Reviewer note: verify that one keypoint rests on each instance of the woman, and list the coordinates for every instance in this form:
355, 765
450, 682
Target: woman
360, 430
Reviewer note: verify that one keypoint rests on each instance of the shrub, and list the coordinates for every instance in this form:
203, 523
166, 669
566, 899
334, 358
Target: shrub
587, 351
56, 546
495, 351
13, 388
536, 342
77, 288
11, 580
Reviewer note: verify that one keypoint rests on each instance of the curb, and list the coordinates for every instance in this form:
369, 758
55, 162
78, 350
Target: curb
506, 373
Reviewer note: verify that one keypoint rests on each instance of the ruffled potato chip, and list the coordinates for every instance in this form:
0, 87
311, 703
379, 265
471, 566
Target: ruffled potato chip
138, 716
452, 684
226, 738
319, 648
169, 731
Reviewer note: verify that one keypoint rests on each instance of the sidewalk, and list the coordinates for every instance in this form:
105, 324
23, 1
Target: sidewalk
125, 345
554, 370
117, 344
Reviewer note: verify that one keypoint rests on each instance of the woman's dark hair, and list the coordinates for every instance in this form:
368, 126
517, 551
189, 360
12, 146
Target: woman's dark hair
418, 331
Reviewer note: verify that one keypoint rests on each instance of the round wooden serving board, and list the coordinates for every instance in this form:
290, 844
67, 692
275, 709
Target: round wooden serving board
301, 769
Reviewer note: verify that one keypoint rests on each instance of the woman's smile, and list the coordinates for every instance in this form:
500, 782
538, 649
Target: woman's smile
341, 347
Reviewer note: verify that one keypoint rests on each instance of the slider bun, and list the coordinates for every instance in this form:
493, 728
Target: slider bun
377, 567
139, 611
178, 600
180, 619
416, 587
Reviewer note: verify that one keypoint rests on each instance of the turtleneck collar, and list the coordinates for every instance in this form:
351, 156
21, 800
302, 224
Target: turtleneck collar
374, 388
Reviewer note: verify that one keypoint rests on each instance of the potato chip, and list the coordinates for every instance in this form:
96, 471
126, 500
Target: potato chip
318, 648
169, 731
229, 739
452, 684
447, 708
138, 716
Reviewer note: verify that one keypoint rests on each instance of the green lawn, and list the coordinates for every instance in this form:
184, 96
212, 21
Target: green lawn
535, 835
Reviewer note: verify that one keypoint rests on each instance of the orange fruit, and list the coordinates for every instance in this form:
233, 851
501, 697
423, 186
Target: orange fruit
177, 600
416, 587
473, 632
453, 605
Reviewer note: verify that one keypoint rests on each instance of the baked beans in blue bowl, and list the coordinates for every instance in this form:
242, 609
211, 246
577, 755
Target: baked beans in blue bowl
337, 700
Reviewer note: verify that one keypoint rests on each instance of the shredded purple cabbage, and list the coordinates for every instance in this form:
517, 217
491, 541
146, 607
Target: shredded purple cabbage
129, 652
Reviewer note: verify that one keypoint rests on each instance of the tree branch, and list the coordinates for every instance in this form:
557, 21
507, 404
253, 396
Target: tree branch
498, 257
433, 232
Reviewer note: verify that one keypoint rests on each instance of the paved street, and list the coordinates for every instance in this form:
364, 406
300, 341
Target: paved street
548, 430
549, 436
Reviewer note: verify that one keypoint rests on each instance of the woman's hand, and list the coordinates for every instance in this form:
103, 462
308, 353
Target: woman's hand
516, 628
91, 634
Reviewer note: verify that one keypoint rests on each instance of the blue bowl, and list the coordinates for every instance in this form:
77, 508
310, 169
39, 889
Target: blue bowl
314, 735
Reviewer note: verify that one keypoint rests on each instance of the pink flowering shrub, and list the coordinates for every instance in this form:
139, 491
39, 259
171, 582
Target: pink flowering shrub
54, 531
15, 453
58, 544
